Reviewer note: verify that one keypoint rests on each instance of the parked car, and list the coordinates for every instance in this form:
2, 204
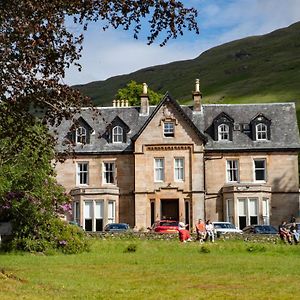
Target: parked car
116, 227
260, 229
225, 227
165, 226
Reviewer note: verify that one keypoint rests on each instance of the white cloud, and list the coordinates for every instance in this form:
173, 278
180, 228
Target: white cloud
114, 52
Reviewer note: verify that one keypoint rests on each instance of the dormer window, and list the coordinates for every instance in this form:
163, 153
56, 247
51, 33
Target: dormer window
261, 132
261, 128
223, 132
222, 128
117, 134
80, 135
168, 129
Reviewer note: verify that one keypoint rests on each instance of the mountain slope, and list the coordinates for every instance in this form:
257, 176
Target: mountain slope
260, 68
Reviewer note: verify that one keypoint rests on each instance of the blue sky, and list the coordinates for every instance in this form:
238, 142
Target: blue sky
115, 52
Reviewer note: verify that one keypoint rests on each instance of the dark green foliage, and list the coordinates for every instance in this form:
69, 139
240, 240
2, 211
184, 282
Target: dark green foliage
131, 248
204, 249
30, 197
256, 248
133, 91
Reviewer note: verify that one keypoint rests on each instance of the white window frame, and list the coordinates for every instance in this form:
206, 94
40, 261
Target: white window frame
179, 169
223, 132
111, 211
106, 172
247, 201
117, 134
80, 135
80, 173
264, 169
232, 170
159, 169
94, 216
76, 212
266, 211
169, 129
230, 210
261, 130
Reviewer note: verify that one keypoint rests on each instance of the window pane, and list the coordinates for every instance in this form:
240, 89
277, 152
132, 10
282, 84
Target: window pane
179, 169
242, 207
88, 209
111, 211
252, 207
82, 173
159, 169
109, 172
168, 129
99, 210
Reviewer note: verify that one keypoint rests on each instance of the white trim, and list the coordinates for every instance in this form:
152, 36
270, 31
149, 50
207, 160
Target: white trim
179, 168
230, 168
160, 168
265, 170
78, 172
117, 135
223, 129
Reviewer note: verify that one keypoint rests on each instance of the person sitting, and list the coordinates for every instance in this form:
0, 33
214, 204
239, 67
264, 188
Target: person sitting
295, 234
184, 234
284, 233
200, 230
210, 231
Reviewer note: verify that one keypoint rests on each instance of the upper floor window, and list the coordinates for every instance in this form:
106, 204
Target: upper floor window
80, 135
179, 169
223, 132
260, 173
261, 132
159, 169
117, 134
168, 129
109, 172
82, 173
232, 170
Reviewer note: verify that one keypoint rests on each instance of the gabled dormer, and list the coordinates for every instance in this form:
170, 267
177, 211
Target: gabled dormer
260, 128
80, 132
117, 131
223, 127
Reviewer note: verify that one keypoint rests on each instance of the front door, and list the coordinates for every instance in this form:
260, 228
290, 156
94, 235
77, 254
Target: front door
170, 209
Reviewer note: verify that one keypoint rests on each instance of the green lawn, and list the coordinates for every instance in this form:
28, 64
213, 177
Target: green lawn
164, 269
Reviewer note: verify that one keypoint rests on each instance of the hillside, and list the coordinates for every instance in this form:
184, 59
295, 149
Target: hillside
255, 69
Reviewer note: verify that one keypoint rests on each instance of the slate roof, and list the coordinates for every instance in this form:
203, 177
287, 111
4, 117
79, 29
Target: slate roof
284, 129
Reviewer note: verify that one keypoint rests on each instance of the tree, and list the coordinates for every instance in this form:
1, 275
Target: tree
37, 45
31, 199
133, 91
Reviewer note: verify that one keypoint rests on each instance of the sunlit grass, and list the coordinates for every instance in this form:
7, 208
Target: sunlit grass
163, 269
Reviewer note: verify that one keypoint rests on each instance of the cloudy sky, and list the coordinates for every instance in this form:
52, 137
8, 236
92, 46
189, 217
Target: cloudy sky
115, 52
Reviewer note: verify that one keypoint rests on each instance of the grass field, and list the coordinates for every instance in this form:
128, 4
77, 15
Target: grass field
164, 269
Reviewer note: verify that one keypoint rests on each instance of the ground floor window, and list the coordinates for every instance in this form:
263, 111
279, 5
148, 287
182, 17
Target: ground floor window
230, 211
247, 211
93, 215
152, 212
266, 211
76, 212
111, 211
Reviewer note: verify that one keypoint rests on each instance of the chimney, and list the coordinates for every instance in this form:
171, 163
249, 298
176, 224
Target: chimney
144, 101
197, 97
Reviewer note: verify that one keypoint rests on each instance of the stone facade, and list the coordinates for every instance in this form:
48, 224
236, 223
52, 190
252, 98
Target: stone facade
176, 162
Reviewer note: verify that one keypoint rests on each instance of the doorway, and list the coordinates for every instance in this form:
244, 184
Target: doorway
170, 209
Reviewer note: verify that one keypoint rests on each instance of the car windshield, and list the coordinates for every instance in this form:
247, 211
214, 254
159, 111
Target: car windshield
224, 225
168, 223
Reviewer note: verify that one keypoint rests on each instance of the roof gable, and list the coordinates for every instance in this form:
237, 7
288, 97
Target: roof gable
167, 99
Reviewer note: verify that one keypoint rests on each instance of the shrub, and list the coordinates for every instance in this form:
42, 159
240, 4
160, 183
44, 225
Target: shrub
131, 248
53, 235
